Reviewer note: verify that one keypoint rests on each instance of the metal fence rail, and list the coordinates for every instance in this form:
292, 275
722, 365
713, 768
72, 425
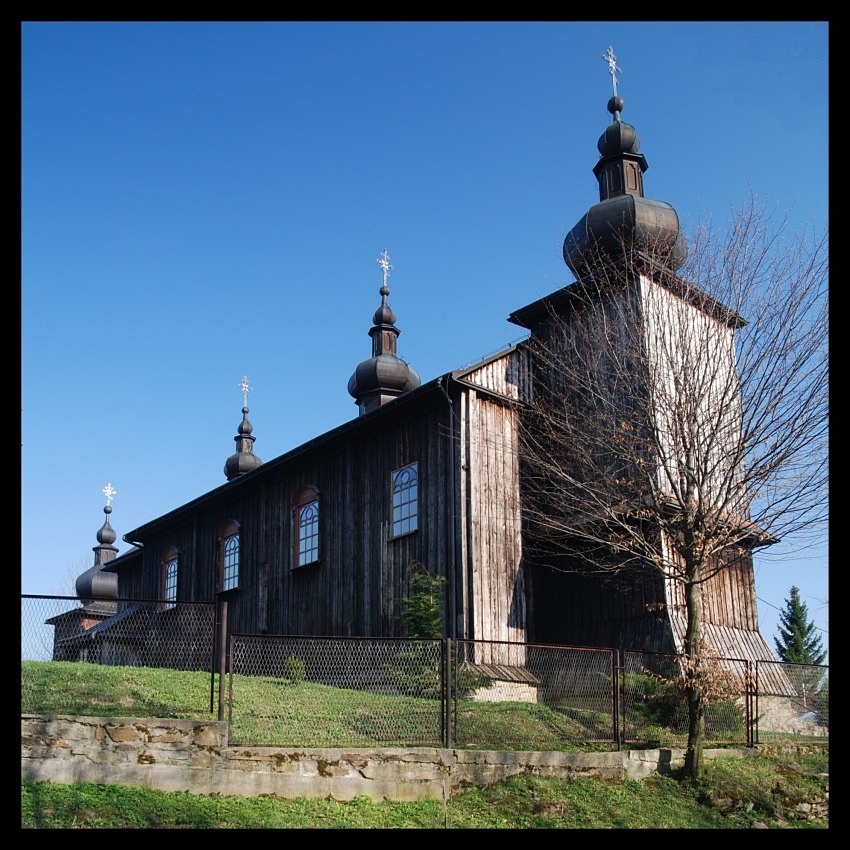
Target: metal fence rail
153, 658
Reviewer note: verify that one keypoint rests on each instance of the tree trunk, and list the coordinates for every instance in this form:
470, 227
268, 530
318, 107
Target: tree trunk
696, 705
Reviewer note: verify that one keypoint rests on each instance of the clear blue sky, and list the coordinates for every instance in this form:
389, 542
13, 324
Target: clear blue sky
207, 200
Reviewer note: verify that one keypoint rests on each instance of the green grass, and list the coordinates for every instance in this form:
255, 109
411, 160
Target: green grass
66, 687
289, 711
280, 712
763, 791
735, 793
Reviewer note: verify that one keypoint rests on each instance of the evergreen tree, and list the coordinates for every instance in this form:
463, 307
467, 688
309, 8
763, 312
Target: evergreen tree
421, 611
797, 642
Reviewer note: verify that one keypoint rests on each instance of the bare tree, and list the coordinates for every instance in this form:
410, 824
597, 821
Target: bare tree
679, 419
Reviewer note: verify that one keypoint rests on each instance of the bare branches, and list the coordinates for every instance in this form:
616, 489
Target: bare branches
680, 420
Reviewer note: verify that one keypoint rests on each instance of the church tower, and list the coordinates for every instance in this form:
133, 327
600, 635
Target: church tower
639, 452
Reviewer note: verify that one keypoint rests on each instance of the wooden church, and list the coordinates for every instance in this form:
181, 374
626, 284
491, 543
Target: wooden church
320, 540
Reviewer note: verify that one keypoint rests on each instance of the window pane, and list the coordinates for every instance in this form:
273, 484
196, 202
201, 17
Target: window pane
171, 580
231, 562
308, 533
405, 501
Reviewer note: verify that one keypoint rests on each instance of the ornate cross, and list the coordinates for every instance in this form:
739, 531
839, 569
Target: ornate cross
246, 388
384, 262
109, 491
613, 67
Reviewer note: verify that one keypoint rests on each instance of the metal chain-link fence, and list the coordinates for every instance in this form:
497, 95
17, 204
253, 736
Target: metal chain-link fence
164, 659
791, 699
331, 692
655, 709
509, 695
119, 657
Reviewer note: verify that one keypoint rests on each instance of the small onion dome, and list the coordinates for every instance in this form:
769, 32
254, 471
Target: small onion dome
384, 315
618, 137
106, 535
94, 583
243, 459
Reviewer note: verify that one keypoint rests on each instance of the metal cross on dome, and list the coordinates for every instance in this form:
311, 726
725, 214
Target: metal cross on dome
384, 262
109, 491
613, 67
246, 388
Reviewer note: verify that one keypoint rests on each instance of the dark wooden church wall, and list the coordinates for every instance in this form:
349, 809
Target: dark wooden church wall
578, 608
356, 586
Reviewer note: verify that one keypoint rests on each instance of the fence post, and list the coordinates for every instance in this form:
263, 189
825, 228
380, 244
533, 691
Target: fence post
615, 695
446, 708
222, 656
755, 727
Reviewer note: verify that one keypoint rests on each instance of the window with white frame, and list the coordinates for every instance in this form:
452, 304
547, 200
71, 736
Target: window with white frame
169, 577
305, 527
405, 483
230, 562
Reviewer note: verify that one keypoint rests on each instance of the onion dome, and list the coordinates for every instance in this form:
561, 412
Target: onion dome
243, 459
94, 586
623, 220
384, 376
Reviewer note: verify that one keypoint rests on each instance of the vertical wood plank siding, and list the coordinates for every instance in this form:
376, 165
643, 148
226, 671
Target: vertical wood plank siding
491, 497
506, 374
356, 586
469, 521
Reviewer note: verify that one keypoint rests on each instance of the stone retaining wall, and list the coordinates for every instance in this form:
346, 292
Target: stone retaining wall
191, 755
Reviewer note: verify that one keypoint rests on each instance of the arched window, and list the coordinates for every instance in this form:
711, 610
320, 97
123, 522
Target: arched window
305, 527
405, 499
168, 576
228, 555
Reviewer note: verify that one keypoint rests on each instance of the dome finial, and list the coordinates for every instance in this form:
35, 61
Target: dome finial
384, 262
615, 103
613, 67
384, 315
246, 388
106, 536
